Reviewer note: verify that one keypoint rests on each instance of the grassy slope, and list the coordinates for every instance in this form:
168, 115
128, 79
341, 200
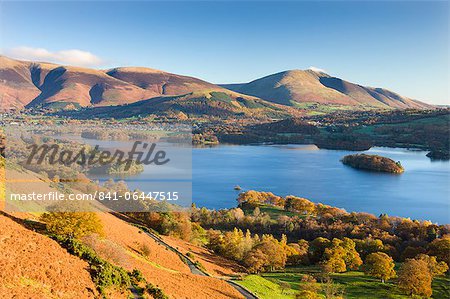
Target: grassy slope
356, 285
441, 120
322, 109
206, 104
265, 288
272, 211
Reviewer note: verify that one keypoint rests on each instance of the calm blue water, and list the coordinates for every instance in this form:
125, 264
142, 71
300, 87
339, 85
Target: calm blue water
421, 192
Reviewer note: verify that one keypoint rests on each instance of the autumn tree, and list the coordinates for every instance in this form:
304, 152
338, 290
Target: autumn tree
234, 244
351, 258
368, 246
308, 288
297, 253
274, 251
237, 244
436, 268
415, 278
300, 205
379, 265
254, 198
327, 211
441, 249
317, 248
334, 260
72, 224
256, 260
176, 224
215, 240
340, 256
411, 252
269, 254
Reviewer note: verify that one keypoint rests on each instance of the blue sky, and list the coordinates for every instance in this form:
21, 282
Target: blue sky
402, 46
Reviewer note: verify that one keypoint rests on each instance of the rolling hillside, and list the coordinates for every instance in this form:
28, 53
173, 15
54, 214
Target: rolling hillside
36, 266
35, 84
211, 105
296, 87
159, 82
16, 85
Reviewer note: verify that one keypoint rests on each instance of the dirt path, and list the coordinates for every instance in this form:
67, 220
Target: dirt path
196, 270
192, 266
246, 293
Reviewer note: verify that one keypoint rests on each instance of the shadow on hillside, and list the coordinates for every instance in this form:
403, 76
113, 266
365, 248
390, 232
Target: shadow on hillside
28, 224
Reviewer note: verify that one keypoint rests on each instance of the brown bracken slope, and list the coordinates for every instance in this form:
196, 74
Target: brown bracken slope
160, 266
34, 266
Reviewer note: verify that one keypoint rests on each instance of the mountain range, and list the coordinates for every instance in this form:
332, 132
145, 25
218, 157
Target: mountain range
26, 84
296, 87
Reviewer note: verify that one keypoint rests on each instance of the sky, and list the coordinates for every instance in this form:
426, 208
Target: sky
402, 46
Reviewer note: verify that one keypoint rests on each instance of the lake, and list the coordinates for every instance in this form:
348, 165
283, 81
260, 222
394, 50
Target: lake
421, 192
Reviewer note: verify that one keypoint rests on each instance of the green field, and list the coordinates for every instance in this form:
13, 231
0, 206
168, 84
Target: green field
265, 288
273, 211
321, 109
440, 120
356, 285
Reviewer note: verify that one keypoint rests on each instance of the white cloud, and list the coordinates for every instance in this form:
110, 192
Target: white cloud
69, 57
317, 70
